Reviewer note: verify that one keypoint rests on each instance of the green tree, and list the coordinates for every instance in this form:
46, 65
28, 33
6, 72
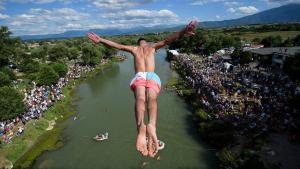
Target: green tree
227, 158
6, 46
30, 66
297, 40
4, 80
288, 43
246, 57
11, 103
58, 52
39, 53
90, 55
73, 53
47, 76
272, 41
256, 40
9, 72
60, 68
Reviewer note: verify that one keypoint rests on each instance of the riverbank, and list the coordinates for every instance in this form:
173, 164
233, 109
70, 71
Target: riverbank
235, 150
42, 135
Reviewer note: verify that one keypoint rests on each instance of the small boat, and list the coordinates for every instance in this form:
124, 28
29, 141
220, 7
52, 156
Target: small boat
101, 137
161, 144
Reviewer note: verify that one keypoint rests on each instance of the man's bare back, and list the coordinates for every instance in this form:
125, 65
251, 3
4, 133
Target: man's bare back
144, 58
146, 85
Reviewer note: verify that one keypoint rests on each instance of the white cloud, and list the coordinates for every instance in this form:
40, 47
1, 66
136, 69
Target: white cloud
50, 21
247, 9
3, 16
218, 16
231, 10
202, 2
231, 3
36, 1
119, 4
42, 21
140, 17
139, 13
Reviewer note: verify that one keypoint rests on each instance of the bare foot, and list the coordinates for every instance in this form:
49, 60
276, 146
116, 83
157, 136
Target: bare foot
152, 140
141, 143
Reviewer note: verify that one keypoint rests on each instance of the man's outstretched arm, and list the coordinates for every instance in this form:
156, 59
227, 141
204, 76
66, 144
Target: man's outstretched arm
189, 29
97, 39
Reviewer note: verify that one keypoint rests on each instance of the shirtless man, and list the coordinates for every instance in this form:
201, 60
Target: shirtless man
145, 85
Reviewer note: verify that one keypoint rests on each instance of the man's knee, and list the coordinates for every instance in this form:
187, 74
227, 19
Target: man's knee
141, 98
152, 98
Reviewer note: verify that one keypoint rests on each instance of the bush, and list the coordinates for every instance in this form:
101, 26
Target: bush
58, 52
218, 133
4, 80
202, 115
227, 159
60, 68
29, 66
11, 103
47, 76
73, 53
90, 55
272, 41
9, 72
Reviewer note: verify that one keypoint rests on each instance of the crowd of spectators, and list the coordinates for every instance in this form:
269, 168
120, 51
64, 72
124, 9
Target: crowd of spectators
252, 98
37, 100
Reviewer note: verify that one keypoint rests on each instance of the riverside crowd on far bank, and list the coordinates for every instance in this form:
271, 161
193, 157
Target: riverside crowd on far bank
253, 99
37, 100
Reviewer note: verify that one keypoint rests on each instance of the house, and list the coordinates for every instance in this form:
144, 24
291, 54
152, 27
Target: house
278, 54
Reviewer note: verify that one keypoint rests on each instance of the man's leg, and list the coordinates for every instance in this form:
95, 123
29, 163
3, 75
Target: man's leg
140, 98
151, 127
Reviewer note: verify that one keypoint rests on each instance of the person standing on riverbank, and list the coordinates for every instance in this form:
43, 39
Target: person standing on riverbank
146, 84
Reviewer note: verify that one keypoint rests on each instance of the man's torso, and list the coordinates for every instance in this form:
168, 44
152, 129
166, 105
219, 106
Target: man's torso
144, 58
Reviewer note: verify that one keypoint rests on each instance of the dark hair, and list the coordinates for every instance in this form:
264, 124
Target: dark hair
140, 39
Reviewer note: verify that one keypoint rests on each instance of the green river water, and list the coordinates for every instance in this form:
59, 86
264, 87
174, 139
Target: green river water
107, 104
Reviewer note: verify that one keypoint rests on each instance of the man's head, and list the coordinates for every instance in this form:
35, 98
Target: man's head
141, 41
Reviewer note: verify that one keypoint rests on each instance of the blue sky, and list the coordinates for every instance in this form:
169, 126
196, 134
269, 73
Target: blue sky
32, 17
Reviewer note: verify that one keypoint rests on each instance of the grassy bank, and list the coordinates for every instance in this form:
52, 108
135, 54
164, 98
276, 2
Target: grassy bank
23, 150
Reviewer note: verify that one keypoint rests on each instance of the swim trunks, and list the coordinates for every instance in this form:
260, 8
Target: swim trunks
147, 79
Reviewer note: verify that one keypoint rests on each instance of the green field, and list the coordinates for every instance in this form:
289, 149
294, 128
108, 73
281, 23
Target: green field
249, 36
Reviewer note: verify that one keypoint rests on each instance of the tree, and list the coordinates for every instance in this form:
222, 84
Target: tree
90, 55
256, 40
288, 43
60, 68
297, 40
11, 104
39, 53
4, 80
272, 41
246, 57
30, 66
47, 76
73, 53
58, 52
108, 52
6, 46
9, 72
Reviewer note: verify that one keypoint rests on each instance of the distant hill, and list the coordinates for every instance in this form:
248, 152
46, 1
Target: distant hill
283, 14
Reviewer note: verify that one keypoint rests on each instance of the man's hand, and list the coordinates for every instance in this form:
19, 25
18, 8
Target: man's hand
190, 28
94, 37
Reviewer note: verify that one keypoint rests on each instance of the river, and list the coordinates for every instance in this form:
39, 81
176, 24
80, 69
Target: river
107, 104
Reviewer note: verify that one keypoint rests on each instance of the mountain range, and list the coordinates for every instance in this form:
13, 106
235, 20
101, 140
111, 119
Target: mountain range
283, 14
